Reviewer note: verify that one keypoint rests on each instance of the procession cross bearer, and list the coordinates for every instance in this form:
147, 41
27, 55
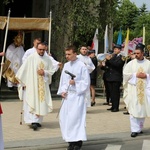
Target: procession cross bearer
35, 76
72, 116
136, 84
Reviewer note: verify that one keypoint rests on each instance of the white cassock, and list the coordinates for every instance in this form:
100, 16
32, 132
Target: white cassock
90, 66
14, 55
137, 92
72, 116
37, 96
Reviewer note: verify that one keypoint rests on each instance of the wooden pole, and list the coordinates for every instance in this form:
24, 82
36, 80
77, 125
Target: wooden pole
4, 46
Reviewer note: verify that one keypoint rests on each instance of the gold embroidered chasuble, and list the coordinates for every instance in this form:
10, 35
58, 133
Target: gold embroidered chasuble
135, 89
38, 94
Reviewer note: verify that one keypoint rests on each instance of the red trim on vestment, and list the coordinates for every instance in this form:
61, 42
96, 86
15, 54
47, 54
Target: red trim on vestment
1, 109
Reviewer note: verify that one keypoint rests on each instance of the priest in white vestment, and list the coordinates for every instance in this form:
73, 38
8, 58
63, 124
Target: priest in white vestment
72, 115
32, 50
14, 54
35, 76
90, 66
136, 84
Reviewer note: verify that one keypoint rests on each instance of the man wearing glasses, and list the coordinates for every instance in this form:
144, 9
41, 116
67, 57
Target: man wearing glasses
35, 76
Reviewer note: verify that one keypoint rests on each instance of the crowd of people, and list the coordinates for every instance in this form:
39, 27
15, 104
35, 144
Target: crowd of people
33, 70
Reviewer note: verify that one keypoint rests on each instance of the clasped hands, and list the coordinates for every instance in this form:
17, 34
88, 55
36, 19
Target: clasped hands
40, 72
141, 75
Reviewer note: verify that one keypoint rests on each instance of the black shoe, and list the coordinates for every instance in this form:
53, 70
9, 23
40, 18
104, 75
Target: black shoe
141, 132
134, 134
126, 113
38, 124
76, 148
105, 103
114, 110
109, 108
71, 146
79, 143
34, 126
11, 88
93, 103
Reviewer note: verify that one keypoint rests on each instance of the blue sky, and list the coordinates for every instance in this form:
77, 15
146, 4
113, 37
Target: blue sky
140, 2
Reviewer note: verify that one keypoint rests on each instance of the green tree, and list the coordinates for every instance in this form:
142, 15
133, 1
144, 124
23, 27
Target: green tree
126, 14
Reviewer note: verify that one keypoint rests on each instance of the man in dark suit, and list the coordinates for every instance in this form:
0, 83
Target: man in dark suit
114, 65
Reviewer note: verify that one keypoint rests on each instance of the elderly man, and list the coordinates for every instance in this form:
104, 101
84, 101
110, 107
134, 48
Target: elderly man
136, 83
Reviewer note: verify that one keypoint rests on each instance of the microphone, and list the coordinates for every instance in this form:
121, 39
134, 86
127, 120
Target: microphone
72, 75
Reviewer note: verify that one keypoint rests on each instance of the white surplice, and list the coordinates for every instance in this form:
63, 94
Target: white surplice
72, 115
136, 91
14, 55
90, 66
38, 96
87, 61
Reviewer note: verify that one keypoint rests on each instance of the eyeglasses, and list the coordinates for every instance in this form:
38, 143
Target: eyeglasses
41, 49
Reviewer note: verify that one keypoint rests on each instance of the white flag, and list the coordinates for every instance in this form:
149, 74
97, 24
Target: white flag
94, 45
106, 40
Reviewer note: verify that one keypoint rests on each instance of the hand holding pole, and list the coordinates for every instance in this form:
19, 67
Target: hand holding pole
72, 78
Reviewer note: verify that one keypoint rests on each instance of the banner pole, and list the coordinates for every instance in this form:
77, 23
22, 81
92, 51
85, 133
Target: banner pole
4, 46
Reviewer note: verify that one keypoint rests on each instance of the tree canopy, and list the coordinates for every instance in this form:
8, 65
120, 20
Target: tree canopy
75, 21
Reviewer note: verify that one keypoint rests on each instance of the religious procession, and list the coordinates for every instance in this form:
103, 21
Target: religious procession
30, 67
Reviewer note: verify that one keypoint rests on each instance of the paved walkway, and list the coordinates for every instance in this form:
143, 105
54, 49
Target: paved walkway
99, 122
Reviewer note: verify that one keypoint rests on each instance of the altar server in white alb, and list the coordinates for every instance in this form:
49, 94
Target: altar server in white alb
136, 84
72, 115
35, 76
14, 54
83, 56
